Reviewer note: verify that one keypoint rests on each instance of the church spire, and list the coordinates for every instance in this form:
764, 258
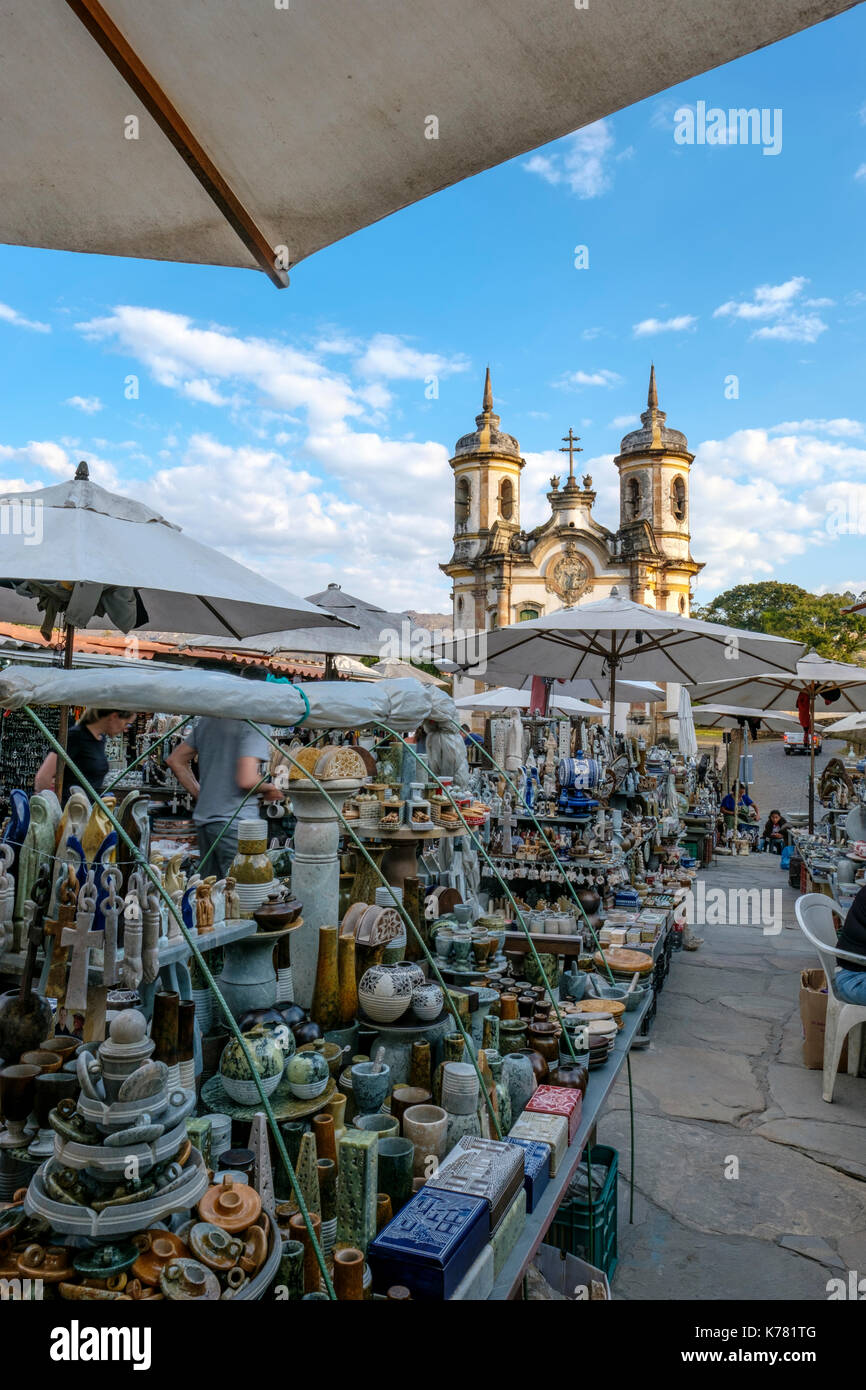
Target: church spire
652, 398
487, 403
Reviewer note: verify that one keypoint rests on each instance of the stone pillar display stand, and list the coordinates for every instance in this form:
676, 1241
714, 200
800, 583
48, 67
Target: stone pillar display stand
315, 875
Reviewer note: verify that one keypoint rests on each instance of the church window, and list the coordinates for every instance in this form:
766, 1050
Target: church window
682, 603
635, 500
678, 499
461, 502
506, 499
527, 614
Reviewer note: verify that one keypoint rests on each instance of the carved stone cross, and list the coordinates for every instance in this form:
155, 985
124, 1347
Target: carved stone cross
82, 939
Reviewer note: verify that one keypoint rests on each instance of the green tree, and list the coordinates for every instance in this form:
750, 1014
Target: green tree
786, 610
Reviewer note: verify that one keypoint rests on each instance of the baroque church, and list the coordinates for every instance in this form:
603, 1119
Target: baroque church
502, 574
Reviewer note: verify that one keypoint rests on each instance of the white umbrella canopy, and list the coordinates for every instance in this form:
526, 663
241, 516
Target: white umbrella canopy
602, 638
732, 717
105, 560
628, 692
509, 697
404, 670
815, 674
372, 628
687, 740
412, 96
851, 724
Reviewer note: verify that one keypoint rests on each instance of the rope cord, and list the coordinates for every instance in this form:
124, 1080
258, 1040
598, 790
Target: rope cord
205, 969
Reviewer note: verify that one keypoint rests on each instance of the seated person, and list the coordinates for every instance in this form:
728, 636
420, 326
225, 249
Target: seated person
851, 975
774, 835
747, 809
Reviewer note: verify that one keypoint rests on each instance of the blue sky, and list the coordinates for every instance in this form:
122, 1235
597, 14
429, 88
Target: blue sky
294, 428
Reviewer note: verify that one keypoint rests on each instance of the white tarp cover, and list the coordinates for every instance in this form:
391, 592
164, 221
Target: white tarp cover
318, 112
403, 704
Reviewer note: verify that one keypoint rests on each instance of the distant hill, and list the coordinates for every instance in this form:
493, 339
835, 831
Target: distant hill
434, 622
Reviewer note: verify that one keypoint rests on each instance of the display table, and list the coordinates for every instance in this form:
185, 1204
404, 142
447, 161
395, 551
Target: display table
598, 1089
400, 860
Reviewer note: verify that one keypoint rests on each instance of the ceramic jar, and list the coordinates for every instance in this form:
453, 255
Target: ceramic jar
537, 1062
519, 1080
326, 1008
427, 1127
385, 992
503, 1096
459, 1088
571, 1074
427, 1001
541, 1037
268, 1058
251, 867
512, 1034
371, 1082
307, 1073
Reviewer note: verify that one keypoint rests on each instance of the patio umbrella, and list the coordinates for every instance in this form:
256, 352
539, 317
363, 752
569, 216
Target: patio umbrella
371, 630
508, 697
397, 670
686, 737
233, 132
733, 717
93, 558
599, 640
836, 682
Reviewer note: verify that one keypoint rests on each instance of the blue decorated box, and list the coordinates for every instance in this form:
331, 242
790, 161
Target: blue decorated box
536, 1162
430, 1244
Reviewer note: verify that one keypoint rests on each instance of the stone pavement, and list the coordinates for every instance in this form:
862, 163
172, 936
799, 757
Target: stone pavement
722, 1088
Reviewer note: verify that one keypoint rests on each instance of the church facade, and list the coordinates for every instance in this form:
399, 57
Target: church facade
503, 574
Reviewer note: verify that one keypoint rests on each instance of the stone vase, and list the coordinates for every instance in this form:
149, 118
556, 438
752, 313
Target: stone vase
326, 993
420, 1066
357, 1185
346, 981
307, 1173
519, 1080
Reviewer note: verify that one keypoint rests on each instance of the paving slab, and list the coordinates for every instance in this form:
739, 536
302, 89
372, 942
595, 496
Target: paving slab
837, 1145
697, 1083
795, 1093
681, 1167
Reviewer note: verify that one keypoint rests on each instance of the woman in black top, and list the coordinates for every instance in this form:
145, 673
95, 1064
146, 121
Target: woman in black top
851, 975
85, 744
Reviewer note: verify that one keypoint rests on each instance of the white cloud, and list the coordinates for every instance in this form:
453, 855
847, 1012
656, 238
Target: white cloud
778, 303
580, 161
88, 404
623, 422
176, 351
761, 498
840, 426
647, 327
198, 389
860, 172
10, 315
390, 356
601, 377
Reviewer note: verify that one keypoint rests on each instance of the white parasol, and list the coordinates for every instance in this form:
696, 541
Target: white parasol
609, 636
836, 682
508, 697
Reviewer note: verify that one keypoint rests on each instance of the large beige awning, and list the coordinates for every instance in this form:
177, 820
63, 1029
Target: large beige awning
270, 124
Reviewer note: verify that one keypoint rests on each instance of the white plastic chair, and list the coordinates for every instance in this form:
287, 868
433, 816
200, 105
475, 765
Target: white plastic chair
814, 913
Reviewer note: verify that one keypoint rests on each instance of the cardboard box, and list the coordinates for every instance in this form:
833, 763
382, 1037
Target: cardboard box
813, 1016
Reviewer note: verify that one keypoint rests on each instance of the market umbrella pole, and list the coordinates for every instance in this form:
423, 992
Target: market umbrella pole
612, 712
812, 760
63, 731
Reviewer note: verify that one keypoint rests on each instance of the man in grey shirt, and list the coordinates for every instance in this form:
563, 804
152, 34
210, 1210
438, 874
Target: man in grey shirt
230, 755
